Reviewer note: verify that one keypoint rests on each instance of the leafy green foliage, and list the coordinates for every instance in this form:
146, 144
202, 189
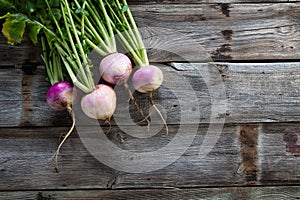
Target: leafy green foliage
30, 15
124, 8
14, 28
34, 30
6, 7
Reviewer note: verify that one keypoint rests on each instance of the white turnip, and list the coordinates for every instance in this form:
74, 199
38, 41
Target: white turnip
147, 79
100, 104
115, 68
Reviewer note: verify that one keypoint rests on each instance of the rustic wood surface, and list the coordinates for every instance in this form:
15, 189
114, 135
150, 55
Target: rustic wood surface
245, 154
266, 193
175, 31
242, 93
225, 61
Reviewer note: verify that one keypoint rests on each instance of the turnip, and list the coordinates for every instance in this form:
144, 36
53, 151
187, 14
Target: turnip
100, 104
115, 68
147, 78
60, 97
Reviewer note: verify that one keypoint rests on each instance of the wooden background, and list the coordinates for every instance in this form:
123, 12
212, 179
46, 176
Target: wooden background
255, 47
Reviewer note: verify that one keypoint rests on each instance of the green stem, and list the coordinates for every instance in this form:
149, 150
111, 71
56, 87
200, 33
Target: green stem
137, 34
82, 72
71, 61
128, 34
66, 60
55, 21
54, 66
110, 30
101, 42
81, 51
99, 24
127, 46
96, 48
46, 61
57, 62
74, 79
124, 19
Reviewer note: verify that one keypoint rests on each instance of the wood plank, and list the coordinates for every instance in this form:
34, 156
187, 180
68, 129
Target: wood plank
191, 94
197, 31
133, 2
222, 34
255, 90
245, 193
25, 154
18, 54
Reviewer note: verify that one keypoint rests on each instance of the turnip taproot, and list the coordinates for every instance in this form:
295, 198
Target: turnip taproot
147, 79
60, 97
115, 68
100, 104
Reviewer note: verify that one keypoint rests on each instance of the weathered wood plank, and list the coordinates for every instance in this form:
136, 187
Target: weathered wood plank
197, 31
25, 154
240, 32
18, 54
245, 193
238, 93
132, 2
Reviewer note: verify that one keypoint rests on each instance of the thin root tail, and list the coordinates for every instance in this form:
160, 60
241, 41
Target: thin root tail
65, 138
158, 111
145, 118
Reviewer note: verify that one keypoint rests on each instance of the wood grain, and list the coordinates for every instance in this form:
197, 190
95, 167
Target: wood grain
238, 93
195, 31
255, 155
139, 2
25, 163
245, 193
239, 32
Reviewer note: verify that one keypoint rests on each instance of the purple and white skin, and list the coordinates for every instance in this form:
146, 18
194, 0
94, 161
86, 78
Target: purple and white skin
115, 68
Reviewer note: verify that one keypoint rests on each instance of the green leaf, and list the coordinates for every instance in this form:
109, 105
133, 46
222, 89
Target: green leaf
14, 28
124, 8
57, 14
81, 11
6, 6
34, 30
54, 3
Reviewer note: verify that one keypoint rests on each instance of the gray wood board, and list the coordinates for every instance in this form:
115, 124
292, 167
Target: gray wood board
245, 154
244, 193
197, 32
139, 2
191, 94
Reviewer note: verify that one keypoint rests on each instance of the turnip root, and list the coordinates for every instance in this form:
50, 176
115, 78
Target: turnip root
147, 79
100, 104
60, 97
115, 68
